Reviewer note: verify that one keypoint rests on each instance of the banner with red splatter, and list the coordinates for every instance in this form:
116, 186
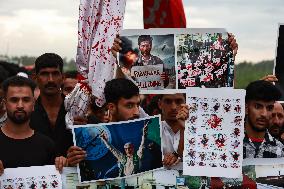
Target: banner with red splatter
99, 22
214, 132
163, 14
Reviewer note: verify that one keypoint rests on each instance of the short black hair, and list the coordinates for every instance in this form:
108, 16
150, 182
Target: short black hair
262, 90
120, 88
48, 60
162, 95
71, 74
18, 81
142, 38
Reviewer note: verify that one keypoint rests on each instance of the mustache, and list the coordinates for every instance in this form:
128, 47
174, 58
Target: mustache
20, 111
50, 85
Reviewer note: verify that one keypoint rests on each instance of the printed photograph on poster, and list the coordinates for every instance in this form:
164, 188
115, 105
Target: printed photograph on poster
118, 150
279, 60
168, 103
204, 60
154, 179
270, 175
45, 177
149, 59
213, 141
70, 180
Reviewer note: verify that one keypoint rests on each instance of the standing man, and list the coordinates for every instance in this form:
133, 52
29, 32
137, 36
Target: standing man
122, 101
258, 143
174, 113
21, 146
69, 82
277, 121
48, 117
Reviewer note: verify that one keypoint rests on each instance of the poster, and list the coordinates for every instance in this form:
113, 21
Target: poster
148, 77
279, 65
149, 47
204, 59
119, 150
214, 132
38, 177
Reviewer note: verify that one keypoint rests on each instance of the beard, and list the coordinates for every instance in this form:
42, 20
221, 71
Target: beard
255, 128
19, 119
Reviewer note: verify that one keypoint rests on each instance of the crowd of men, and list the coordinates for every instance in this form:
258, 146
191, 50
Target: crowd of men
32, 116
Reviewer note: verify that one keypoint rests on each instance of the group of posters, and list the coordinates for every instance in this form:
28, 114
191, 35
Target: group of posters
186, 57
197, 62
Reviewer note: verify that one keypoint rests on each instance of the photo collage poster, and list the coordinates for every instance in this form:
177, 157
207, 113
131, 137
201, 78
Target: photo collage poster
38, 177
213, 140
119, 150
158, 59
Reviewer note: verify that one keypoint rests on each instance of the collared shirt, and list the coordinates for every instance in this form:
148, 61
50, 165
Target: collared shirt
61, 136
170, 140
270, 147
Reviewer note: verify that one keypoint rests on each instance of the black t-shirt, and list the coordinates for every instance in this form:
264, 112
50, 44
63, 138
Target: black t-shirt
61, 136
37, 150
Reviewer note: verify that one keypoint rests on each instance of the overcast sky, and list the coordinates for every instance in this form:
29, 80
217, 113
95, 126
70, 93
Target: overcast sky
32, 27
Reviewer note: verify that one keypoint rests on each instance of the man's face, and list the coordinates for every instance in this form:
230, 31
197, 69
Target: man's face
258, 114
125, 109
19, 103
68, 85
145, 48
49, 81
170, 104
277, 120
129, 150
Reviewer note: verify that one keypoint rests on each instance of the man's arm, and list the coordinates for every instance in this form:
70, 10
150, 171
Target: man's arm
114, 151
142, 147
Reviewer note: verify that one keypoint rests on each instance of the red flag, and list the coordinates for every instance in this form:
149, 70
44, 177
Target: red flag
163, 14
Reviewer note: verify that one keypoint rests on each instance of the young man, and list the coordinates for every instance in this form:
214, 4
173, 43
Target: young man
48, 117
258, 143
21, 146
69, 82
122, 99
174, 113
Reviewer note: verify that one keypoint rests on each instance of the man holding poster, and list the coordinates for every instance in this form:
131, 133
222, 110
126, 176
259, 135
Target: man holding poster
22, 146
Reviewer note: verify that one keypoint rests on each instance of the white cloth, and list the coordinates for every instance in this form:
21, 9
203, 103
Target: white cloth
99, 22
170, 140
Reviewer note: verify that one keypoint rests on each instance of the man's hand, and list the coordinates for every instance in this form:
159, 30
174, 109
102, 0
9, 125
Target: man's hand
116, 47
170, 160
60, 162
183, 114
270, 78
1, 168
75, 155
233, 43
103, 135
